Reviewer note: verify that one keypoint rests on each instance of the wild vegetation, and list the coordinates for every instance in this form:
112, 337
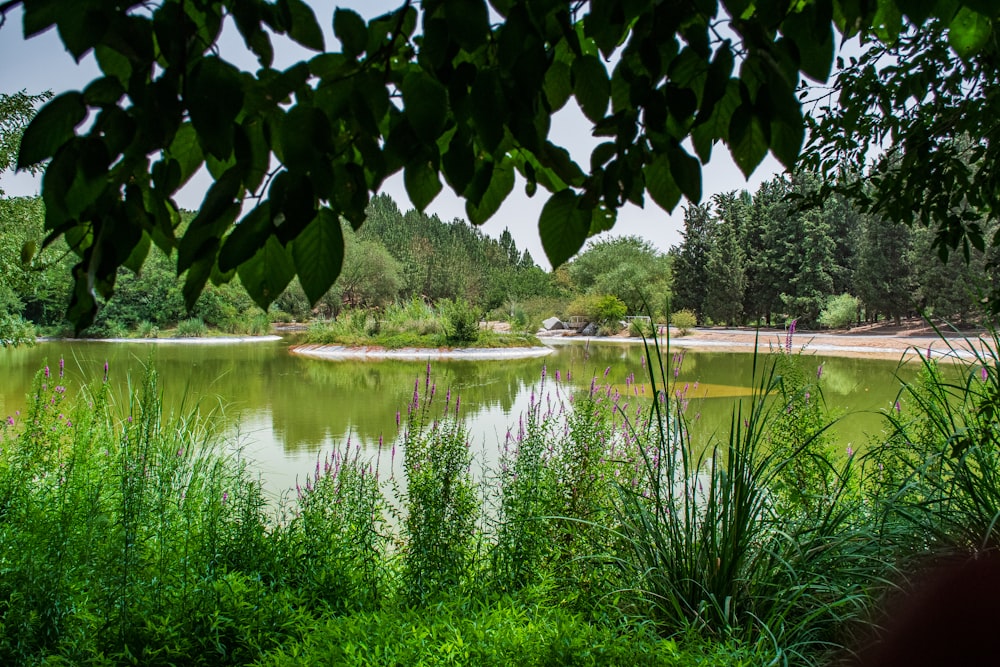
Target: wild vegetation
601, 535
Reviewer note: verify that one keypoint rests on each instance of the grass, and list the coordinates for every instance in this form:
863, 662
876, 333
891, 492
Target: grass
602, 536
414, 325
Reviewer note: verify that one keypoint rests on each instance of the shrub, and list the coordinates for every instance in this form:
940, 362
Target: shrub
683, 320
15, 330
461, 321
191, 328
609, 309
839, 312
147, 329
641, 327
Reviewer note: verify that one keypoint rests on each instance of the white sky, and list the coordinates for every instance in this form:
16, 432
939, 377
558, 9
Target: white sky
41, 63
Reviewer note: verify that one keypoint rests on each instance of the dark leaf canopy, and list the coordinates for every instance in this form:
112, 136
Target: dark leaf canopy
464, 102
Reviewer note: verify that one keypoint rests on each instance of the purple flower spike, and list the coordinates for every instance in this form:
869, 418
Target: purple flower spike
850, 451
397, 418
896, 406
62, 366
10, 420
458, 402
225, 497
543, 371
105, 371
46, 371
819, 371
557, 376
984, 374
606, 371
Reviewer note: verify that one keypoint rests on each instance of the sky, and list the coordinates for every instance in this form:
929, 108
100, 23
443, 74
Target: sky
41, 63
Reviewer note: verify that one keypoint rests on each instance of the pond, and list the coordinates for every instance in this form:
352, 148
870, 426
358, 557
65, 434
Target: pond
288, 409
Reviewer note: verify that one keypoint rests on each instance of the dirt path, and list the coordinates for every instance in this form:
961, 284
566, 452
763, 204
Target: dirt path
883, 342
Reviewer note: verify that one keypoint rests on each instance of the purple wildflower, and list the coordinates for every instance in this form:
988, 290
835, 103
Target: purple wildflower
105, 371
10, 420
225, 497
397, 418
543, 371
606, 371
850, 451
46, 371
984, 374
557, 376
897, 407
62, 366
819, 371
788, 337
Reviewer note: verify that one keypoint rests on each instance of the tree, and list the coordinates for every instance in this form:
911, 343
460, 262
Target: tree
690, 270
470, 99
924, 99
725, 268
882, 276
627, 267
16, 111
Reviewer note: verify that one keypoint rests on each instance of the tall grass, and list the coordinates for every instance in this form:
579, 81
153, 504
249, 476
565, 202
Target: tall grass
131, 536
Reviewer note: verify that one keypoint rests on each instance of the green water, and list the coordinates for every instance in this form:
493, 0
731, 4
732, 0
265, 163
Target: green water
288, 409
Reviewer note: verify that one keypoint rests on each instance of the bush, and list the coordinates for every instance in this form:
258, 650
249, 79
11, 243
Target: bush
839, 312
461, 321
191, 328
15, 330
641, 327
683, 321
609, 309
147, 329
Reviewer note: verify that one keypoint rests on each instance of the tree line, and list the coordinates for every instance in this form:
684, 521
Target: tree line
782, 253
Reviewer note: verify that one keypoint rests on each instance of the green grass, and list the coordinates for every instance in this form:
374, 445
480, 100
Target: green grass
411, 325
601, 536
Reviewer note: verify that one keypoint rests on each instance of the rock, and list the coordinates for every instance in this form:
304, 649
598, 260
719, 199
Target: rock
552, 324
589, 330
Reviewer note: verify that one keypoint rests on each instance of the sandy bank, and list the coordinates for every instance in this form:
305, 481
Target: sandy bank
894, 346
339, 352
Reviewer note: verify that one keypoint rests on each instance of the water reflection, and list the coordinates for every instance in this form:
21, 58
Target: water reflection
289, 408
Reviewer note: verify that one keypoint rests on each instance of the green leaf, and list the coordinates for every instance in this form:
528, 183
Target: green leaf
969, 32
787, 135
748, 142
660, 183
305, 136
469, 22
247, 237
563, 227
489, 109
187, 151
266, 275
28, 251
422, 183
591, 86
304, 29
425, 103
350, 29
194, 282
887, 22
319, 254
686, 172
138, 255
215, 98
103, 92
501, 185
54, 125
558, 85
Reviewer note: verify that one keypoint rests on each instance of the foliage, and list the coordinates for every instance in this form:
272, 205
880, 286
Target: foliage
16, 111
192, 327
461, 322
15, 330
626, 267
929, 120
684, 320
441, 503
840, 311
463, 84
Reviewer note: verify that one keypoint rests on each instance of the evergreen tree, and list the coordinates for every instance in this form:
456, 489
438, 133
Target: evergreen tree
882, 275
690, 266
726, 264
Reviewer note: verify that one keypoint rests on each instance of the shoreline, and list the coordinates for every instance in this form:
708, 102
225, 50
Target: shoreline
896, 346
195, 340
340, 352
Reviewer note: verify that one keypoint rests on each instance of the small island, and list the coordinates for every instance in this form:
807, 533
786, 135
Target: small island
450, 329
